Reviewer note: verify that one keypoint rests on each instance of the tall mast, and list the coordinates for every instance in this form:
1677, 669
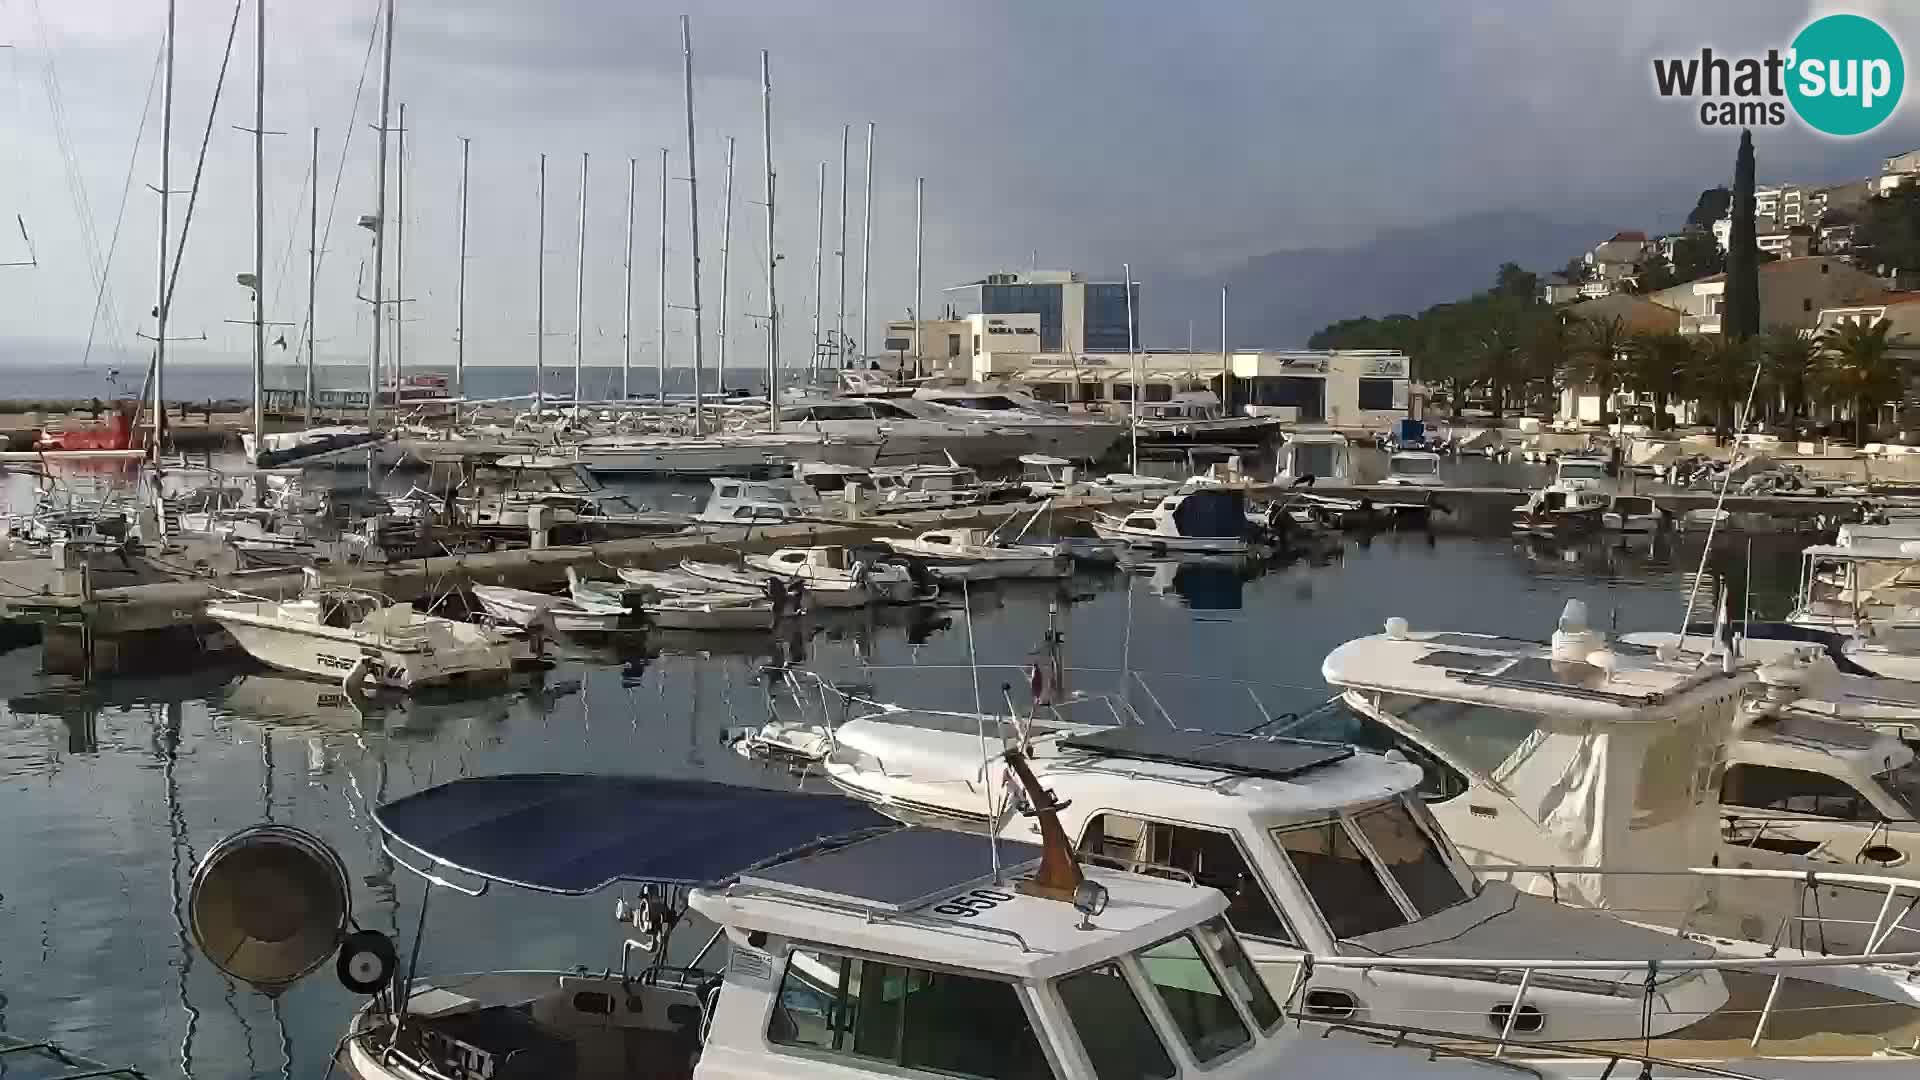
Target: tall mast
819, 247
840, 325
693, 234
660, 355
726, 258
866, 242
380, 224
460, 287
166, 185
313, 270
540, 301
773, 293
1133, 362
399, 258
580, 297
626, 309
259, 224
1226, 361
919, 270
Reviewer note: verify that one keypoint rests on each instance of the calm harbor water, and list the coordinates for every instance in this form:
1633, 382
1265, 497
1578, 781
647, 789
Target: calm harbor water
110, 793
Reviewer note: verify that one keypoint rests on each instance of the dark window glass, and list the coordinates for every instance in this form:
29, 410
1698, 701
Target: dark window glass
1376, 394
1105, 318
1212, 858
1341, 881
953, 344
1795, 791
1041, 300
1239, 973
1194, 998
1412, 857
1156, 392
1113, 1028
1122, 391
899, 344
1050, 391
917, 1019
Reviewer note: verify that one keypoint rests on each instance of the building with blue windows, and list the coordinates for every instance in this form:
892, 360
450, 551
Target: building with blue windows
1076, 315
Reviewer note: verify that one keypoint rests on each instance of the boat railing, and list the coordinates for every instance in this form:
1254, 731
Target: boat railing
1487, 1050
1529, 974
20, 1053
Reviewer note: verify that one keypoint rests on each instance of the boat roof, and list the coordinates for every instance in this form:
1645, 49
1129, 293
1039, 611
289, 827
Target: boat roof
1794, 739
885, 894
1043, 459
1583, 459
1866, 549
1413, 455
1514, 673
1330, 437
576, 834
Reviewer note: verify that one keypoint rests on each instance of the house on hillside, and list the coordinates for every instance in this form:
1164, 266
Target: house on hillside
1793, 291
1899, 171
1555, 290
1902, 313
1613, 263
1637, 315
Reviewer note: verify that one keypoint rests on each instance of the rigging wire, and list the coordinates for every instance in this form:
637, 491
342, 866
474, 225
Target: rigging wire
346, 145
1726, 478
126, 188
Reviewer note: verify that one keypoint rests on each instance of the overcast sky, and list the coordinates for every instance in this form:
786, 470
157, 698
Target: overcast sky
1181, 138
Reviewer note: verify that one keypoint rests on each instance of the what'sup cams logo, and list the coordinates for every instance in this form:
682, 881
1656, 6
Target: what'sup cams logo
1842, 76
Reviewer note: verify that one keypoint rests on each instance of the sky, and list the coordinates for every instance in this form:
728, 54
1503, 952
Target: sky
1179, 139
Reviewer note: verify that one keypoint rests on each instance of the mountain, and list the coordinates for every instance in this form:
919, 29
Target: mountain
1279, 300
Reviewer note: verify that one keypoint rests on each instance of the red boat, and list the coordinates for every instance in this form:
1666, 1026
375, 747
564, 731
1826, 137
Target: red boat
117, 434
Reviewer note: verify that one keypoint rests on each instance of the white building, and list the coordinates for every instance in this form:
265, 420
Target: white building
1899, 171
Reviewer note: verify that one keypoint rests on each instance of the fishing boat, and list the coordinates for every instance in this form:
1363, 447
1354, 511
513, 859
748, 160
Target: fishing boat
350, 635
1324, 457
1572, 503
844, 947
851, 593
975, 555
1197, 415
747, 502
827, 567
714, 610
525, 608
1212, 521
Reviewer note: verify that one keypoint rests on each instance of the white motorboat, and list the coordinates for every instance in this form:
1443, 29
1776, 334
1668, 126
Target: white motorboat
342, 447
587, 591
965, 959
627, 455
1212, 520
1572, 503
1598, 774
749, 502
934, 487
831, 567
1198, 416
354, 636
1076, 438
824, 595
1414, 468
1310, 457
715, 610
974, 555
906, 437
1047, 477
523, 607
1633, 514
570, 499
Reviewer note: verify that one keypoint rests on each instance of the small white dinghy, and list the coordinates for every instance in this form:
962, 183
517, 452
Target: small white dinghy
712, 611
349, 635
973, 555
523, 607
849, 593
830, 566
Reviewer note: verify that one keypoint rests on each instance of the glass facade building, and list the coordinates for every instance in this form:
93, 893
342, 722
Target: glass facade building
1041, 300
1106, 317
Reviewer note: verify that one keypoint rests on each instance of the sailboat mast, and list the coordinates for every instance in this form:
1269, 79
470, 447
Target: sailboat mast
259, 224
919, 270
840, 323
460, 286
399, 259
726, 258
866, 242
1133, 362
380, 224
313, 271
693, 233
1226, 359
580, 297
166, 186
660, 355
540, 301
626, 308
819, 248
773, 293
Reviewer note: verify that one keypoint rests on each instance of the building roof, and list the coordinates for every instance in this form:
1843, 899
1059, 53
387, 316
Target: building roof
1636, 312
1631, 235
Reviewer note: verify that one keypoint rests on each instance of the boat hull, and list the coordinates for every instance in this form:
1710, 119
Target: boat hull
334, 656
1205, 545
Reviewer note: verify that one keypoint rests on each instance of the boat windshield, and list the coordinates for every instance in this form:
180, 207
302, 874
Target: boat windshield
1416, 466
1315, 459
1194, 998
1582, 470
1903, 783
1346, 865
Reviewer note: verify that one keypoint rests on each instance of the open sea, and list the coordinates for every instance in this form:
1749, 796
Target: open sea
112, 791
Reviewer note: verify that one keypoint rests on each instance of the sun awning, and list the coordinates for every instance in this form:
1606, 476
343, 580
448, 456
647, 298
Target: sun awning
576, 834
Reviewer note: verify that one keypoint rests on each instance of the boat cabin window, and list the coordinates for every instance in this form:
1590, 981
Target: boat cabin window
1240, 975
1340, 878
1416, 466
1212, 858
748, 513
1582, 470
729, 491
985, 403
1903, 783
1632, 505
888, 411
1316, 459
1797, 791
1412, 855
1120, 1041
1142, 521
1338, 722
937, 538
1194, 998
914, 1018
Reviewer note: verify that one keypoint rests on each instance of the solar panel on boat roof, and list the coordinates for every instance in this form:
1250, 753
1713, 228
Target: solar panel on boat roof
1276, 759
895, 871
1462, 661
1475, 641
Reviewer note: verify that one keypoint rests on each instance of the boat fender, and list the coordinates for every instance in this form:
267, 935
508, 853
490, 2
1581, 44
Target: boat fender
353, 683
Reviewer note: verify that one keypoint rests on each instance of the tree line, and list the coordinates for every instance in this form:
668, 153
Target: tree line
1505, 349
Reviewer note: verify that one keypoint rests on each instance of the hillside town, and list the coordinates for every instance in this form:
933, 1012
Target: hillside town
1639, 330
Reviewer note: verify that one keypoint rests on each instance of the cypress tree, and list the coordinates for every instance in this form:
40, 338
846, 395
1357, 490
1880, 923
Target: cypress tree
1740, 312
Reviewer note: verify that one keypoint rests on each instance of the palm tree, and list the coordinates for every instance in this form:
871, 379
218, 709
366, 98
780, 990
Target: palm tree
1657, 364
1596, 357
1790, 359
1550, 346
1721, 373
1498, 351
1857, 366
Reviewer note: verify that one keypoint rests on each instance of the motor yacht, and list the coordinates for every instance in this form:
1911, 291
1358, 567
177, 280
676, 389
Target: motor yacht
1414, 468
907, 437
1212, 520
1572, 503
361, 638
1319, 457
1076, 438
1198, 416
1633, 514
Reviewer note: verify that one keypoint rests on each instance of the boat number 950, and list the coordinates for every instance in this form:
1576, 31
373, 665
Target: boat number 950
973, 903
